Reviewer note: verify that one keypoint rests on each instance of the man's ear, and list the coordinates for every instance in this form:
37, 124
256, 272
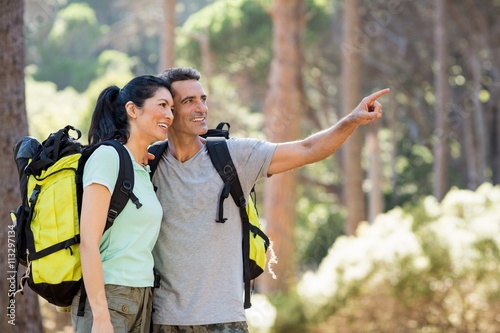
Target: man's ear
131, 109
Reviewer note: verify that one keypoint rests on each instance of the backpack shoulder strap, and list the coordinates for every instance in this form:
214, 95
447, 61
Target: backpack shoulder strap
124, 184
157, 150
221, 159
119, 198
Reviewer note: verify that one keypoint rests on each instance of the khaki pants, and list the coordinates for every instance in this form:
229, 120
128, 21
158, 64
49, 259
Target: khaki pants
236, 327
129, 308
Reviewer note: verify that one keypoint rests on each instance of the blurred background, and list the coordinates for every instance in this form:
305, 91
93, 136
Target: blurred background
399, 231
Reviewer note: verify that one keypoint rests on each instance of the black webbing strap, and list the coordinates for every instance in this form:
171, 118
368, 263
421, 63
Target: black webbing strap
66, 244
157, 150
256, 231
50, 152
219, 131
221, 159
124, 185
217, 150
83, 300
119, 198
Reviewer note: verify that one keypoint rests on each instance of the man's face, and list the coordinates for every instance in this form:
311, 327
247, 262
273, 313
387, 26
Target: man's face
190, 108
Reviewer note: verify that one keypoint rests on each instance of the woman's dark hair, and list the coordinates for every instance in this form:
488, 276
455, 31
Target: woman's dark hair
110, 120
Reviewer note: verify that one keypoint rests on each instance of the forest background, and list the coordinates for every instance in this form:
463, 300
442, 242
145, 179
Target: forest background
399, 231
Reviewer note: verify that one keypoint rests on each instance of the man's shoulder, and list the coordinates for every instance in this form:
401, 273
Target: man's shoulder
245, 148
244, 142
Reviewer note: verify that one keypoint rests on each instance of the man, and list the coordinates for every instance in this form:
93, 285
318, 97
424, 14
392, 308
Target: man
199, 261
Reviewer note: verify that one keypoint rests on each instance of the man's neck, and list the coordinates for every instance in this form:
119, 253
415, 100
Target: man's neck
183, 147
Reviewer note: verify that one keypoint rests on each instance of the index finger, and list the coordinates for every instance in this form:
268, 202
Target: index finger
373, 97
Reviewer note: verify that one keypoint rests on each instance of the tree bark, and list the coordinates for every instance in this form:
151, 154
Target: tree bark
167, 56
469, 147
442, 105
283, 113
495, 123
24, 313
393, 126
351, 86
496, 144
376, 199
481, 129
206, 59
495, 111
482, 33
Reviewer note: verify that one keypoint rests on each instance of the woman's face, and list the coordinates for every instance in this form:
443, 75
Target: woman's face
155, 116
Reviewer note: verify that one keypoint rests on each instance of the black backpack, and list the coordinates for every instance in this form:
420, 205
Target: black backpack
255, 241
46, 224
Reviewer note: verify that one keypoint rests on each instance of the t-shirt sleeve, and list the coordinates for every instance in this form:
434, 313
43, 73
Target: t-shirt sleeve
102, 168
252, 158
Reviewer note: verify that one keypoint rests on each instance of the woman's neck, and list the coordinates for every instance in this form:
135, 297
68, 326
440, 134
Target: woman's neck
139, 150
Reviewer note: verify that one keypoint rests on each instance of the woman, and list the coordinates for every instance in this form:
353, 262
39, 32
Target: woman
117, 265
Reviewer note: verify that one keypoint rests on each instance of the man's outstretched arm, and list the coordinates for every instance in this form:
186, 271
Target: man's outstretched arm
291, 155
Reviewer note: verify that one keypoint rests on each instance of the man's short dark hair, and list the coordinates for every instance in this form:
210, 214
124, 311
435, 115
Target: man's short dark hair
180, 74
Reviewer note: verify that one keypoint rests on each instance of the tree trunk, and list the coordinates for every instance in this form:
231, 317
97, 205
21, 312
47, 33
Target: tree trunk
206, 60
167, 46
481, 129
283, 113
496, 145
442, 105
495, 110
495, 123
24, 313
469, 147
483, 141
351, 86
392, 116
376, 199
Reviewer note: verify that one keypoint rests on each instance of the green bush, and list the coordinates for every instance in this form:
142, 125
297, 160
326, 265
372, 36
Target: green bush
430, 268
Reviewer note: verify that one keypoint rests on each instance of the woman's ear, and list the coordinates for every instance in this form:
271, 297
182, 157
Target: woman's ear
131, 109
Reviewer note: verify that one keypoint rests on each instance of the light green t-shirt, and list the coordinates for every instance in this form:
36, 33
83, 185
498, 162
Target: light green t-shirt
126, 247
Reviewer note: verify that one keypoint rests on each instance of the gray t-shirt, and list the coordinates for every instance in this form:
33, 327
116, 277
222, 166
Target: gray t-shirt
199, 260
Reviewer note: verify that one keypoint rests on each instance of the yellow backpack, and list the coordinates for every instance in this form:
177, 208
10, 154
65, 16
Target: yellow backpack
46, 224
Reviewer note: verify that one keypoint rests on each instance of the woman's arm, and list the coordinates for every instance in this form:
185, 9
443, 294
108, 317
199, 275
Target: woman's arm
95, 206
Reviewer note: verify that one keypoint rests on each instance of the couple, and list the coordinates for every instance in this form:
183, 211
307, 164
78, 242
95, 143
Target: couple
199, 261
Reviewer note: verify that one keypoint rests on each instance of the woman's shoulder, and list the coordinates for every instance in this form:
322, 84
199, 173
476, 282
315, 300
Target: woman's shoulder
103, 157
105, 152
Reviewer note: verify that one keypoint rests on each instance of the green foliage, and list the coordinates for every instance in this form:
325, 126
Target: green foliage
319, 14
320, 223
115, 68
320, 215
224, 104
414, 173
324, 236
428, 269
50, 109
68, 56
287, 304
226, 22
240, 33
